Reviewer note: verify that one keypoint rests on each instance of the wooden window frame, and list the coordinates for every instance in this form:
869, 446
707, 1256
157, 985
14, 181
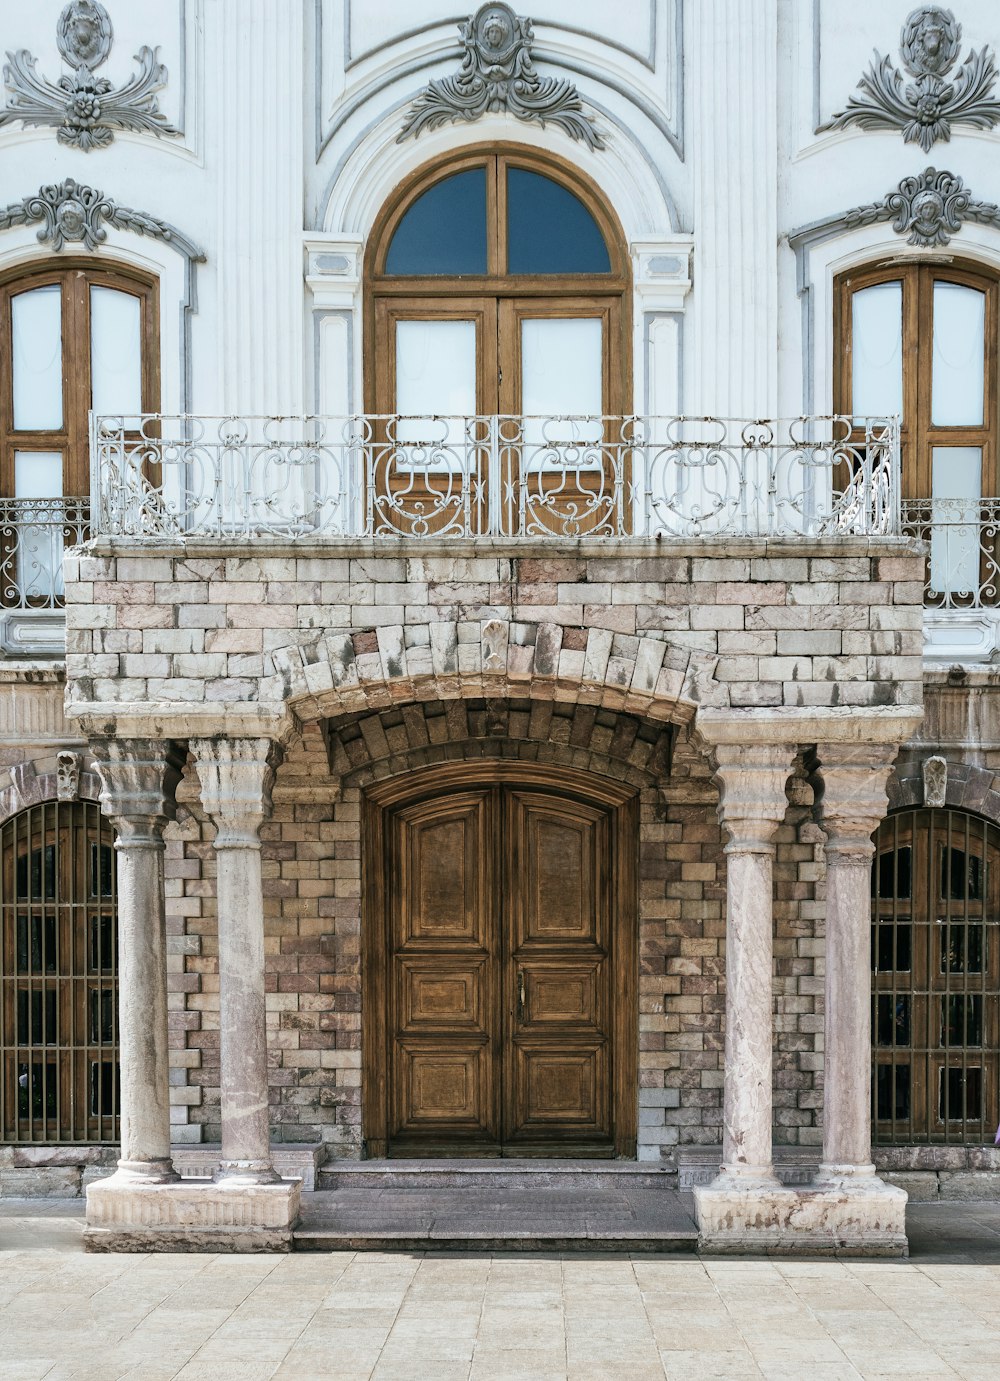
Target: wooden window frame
918, 435
608, 292
75, 276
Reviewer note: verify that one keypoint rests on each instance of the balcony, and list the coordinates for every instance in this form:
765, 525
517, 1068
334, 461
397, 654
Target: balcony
303, 479
33, 535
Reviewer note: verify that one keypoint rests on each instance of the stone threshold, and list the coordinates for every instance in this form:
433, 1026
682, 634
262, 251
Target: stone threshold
498, 1174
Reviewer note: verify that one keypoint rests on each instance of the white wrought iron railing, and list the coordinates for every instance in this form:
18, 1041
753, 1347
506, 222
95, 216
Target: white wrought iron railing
297, 478
33, 536
963, 560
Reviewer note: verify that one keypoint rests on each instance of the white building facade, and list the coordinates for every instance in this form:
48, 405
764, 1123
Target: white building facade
495, 458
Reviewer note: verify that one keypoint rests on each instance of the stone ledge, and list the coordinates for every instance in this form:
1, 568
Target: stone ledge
863, 1219
292, 1160
124, 1214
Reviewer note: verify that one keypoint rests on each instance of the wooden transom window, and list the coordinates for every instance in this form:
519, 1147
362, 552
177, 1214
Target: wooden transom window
59, 1078
496, 287
935, 958
919, 341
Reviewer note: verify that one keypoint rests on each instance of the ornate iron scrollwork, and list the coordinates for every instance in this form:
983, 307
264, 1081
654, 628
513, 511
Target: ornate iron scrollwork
497, 75
70, 211
930, 206
86, 108
926, 108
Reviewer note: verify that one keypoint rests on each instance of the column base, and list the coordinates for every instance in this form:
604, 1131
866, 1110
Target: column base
158, 1171
127, 1215
863, 1217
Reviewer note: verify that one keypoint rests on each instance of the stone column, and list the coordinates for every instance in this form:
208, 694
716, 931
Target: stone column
851, 803
236, 776
138, 780
752, 804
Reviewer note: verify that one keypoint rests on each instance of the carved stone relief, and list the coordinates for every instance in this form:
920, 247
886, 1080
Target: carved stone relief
73, 213
928, 208
497, 75
935, 781
925, 108
86, 108
68, 775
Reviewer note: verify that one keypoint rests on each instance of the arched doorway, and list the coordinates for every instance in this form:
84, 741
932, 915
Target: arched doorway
497, 351
500, 963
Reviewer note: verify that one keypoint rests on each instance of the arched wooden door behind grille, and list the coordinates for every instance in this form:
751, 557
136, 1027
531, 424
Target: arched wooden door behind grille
58, 976
499, 1003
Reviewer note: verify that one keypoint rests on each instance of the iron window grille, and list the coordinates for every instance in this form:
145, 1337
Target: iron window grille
59, 1074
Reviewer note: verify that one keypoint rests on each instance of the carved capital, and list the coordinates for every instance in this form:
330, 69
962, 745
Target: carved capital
851, 801
236, 776
752, 803
139, 778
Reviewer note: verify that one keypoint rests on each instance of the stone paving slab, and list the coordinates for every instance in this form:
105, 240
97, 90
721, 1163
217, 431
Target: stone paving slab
69, 1316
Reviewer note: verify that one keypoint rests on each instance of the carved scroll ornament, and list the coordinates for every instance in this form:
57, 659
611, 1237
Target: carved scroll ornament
72, 212
926, 107
497, 75
86, 108
929, 208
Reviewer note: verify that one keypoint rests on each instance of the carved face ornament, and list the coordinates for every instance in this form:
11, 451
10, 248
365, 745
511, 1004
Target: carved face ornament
84, 33
929, 41
927, 212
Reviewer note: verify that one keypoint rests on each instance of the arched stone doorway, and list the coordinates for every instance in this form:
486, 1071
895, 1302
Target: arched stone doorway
499, 948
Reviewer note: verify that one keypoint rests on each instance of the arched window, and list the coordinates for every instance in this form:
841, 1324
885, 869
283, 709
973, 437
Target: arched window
496, 287
73, 336
935, 958
920, 341
58, 976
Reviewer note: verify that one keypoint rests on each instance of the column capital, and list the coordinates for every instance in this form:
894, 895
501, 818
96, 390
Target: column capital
139, 778
752, 803
236, 776
850, 785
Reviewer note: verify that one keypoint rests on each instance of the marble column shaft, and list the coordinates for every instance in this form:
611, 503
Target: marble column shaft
236, 777
138, 780
752, 804
851, 803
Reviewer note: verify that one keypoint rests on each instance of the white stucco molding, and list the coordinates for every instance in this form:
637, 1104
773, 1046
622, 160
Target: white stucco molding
661, 267
333, 269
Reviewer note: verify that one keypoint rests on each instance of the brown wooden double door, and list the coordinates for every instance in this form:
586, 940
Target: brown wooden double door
506, 1005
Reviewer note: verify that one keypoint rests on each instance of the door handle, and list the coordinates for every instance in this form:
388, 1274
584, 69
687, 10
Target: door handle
520, 995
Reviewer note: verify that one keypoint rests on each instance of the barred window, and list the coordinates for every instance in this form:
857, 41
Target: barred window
58, 976
935, 957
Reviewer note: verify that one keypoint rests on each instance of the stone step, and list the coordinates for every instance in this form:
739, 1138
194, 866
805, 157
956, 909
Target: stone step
621, 1215
535, 1176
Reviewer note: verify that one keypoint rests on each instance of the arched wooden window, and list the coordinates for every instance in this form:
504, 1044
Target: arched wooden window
58, 976
74, 335
496, 286
935, 958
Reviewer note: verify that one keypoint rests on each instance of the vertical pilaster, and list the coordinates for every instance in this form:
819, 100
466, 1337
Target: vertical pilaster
258, 56
851, 803
138, 779
752, 804
731, 77
236, 777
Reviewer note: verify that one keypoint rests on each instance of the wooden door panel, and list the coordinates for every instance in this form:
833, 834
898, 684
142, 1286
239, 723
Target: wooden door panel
561, 846
560, 1092
562, 994
439, 995
442, 851
444, 1091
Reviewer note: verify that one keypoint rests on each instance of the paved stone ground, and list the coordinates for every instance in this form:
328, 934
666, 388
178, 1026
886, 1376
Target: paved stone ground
64, 1314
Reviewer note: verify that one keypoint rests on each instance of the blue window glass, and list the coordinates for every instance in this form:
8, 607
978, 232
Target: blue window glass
549, 230
444, 231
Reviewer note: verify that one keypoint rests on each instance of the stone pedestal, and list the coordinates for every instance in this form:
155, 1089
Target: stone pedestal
126, 1213
865, 1218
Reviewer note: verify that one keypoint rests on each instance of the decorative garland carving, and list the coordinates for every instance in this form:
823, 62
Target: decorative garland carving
86, 108
497, 75
926, 108
930, 206
72, 212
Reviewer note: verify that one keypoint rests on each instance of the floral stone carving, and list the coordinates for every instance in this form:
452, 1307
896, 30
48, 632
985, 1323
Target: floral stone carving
935, 773
86, 108
497, 75
926, 107
74, 213
930, 208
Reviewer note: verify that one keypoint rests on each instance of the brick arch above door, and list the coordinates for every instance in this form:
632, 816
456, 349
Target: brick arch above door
347, 673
